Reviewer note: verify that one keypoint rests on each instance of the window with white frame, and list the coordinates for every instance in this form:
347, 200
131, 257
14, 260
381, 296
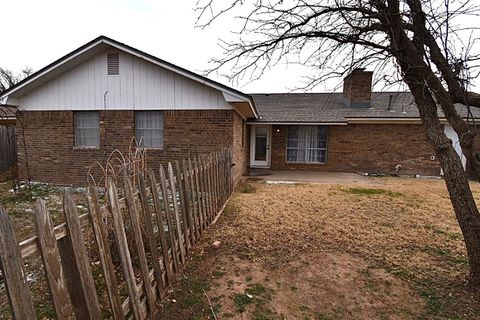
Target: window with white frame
87, 129
149, 129
307, 144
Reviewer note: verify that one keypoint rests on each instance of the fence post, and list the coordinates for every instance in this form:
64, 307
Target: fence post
51, 260
194, 198
101, 236
119, 228
203, 186
203, 180
224, 175
183, 205
137, 237
11, 263
161, 228
208, 164
142, 192
181, 239
171, 234
198, 186
76, 265
214, 187
230, 171
187, 175
220, 176
216, 178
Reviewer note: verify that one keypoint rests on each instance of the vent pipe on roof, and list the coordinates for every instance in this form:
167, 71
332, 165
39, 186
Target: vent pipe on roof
357, 89
390, 99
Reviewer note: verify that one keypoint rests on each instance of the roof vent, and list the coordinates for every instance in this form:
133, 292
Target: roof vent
113, 64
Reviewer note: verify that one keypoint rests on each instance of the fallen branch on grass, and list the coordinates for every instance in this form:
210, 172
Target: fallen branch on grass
210, 303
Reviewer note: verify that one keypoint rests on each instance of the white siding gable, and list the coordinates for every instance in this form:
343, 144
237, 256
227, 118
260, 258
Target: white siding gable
141, 85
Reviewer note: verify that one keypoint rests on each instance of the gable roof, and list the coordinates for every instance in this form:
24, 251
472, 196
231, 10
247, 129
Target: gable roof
96, 45
330, 108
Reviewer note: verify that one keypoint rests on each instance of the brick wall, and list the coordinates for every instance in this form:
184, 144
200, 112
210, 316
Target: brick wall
357, 88
366, 148
240, 146
49, 138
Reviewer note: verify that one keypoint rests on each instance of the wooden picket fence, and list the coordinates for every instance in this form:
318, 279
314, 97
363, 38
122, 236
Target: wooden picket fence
154, 224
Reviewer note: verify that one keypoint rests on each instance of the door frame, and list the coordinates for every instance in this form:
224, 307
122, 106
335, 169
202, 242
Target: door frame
267, 162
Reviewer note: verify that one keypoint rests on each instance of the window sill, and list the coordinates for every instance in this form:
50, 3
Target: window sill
86, 148
308, 163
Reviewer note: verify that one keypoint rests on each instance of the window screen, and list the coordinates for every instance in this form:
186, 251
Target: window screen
307, 144
87, 129
149, 129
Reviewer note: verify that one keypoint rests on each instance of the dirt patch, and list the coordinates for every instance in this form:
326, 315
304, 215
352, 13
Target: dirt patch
390, 251
325, 284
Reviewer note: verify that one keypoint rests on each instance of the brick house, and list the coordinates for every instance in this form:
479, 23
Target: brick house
94, 100
356, 130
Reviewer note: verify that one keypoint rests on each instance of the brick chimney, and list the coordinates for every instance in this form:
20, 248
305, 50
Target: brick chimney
357, 89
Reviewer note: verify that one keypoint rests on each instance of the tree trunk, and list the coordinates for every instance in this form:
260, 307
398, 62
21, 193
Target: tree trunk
458, 187
411, 63
465, 209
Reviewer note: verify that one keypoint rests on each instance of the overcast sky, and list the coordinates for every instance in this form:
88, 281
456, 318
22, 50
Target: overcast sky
38, 32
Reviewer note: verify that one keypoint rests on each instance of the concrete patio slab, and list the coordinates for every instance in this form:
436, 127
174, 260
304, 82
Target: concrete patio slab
297, 176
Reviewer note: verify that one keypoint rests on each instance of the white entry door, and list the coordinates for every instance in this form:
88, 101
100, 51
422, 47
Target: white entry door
260, 146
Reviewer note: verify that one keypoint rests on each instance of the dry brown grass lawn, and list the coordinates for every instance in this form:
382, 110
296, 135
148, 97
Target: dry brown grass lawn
391, 251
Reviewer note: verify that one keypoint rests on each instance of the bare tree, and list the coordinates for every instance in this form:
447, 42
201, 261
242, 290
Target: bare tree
9, 79
421, 40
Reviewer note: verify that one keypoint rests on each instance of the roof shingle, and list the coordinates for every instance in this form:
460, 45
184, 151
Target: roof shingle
329, 107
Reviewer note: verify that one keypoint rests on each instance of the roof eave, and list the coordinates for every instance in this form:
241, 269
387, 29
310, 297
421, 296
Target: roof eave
331, 123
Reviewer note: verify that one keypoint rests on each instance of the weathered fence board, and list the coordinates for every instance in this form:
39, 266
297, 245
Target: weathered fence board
77, 266
119, 228
161, 227
11, 264
188, 203
183, 205
142, 192
168, 215
208, 169
206, 192
51, 261
200, 202
194, 199
164, 219
173, 192
101, 237
137, 237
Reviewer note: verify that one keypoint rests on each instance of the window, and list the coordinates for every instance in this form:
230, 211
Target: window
87, 129
149, 129
307, 144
